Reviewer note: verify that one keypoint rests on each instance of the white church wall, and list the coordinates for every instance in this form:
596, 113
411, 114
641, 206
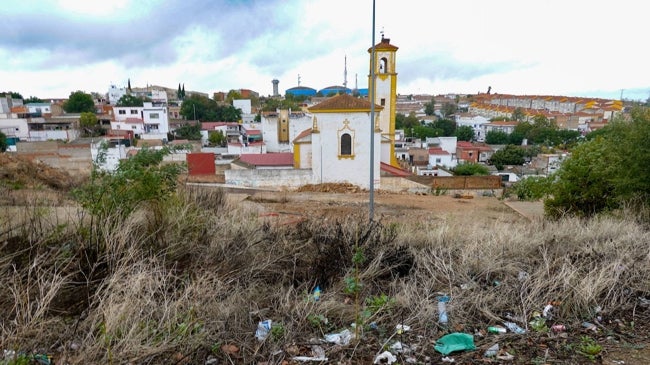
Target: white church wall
329, 166
272, 178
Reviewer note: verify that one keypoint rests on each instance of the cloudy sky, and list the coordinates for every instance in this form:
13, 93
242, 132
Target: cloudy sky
49, 48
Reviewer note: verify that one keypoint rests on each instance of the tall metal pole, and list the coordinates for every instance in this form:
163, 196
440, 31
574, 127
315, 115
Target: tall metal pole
371, 204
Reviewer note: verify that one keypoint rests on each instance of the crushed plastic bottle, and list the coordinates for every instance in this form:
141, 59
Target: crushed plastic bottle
317, 293
513, 327
443, 318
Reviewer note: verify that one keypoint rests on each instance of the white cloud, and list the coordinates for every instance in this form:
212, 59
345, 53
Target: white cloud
552, 47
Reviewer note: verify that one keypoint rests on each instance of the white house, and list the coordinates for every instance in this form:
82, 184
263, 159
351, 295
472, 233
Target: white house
280, 128
440, 157
476, 122
149, 121
115, 94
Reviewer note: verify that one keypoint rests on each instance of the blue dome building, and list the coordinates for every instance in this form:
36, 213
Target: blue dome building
301, 91
333, 90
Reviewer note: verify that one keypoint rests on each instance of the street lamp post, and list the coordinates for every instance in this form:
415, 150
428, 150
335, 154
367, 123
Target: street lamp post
371, 203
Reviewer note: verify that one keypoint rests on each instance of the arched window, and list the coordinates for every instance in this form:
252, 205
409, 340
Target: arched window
346, 144
383, 63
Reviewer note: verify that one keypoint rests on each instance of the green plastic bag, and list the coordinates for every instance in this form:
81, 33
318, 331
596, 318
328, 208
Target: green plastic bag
455, 342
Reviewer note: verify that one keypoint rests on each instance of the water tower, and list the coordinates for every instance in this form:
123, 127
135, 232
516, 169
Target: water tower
275, 82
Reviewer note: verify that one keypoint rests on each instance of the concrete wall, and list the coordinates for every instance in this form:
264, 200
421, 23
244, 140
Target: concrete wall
278, 179
400, 184
459, 182
74, 158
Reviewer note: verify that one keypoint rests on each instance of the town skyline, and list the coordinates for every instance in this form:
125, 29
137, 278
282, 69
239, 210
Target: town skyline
52, 48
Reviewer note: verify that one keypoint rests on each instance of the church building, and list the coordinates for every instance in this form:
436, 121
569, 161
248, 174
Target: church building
337, 147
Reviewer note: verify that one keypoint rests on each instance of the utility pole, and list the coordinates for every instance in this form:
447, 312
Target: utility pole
371, 97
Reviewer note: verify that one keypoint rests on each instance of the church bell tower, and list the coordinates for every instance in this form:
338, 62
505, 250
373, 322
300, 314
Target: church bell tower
385, 93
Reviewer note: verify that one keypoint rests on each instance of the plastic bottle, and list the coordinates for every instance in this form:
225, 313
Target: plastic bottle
497, 330
317, 293
443, 319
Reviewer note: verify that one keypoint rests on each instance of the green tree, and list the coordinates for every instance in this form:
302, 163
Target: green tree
465, 133
518, 114
4, 144
496, 137
533, 188
79, 102
469, 169
33, 99
130, 100
509, 155
606, 172
448, 109
13, 94
88, 122
447, 126
137, 180
426, 131
189, 131
216, 138
430, 107
232, 95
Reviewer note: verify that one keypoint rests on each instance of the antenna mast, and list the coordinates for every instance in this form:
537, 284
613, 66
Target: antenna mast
345, 73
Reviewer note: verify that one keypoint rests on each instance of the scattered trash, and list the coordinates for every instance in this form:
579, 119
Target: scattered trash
589, 326
211, 360
558, 328
514, 318
342, 338
385, 358
411, 360
448, 359
442, 310
263, 329
522, 276
318, 354
513, 327
547, 312
492, 351
505, 357
317, 293
454, 342
397, 347
11, 357
497, 329
643, 302
401, 328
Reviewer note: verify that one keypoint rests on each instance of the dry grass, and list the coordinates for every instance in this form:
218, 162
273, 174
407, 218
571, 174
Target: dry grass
176, 281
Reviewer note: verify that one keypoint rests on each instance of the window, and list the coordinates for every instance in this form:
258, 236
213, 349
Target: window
154, 116
121, 112
383, 102
134, 111
383, 63
346, 144
438, 160
134, 127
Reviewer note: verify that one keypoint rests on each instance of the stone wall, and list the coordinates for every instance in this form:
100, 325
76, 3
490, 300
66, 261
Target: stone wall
273, 178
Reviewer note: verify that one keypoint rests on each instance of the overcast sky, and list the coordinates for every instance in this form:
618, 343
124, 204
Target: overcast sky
49, 48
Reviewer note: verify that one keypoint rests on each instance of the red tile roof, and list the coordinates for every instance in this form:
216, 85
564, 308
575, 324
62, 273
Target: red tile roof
384, 45
134, 121
302, 134
437, 151
210, 126
343, 102
268, 159
395, 171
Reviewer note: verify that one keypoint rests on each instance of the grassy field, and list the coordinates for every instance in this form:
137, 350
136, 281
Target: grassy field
189, 280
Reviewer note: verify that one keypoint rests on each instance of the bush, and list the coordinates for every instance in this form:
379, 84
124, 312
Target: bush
532, 188
468, 169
